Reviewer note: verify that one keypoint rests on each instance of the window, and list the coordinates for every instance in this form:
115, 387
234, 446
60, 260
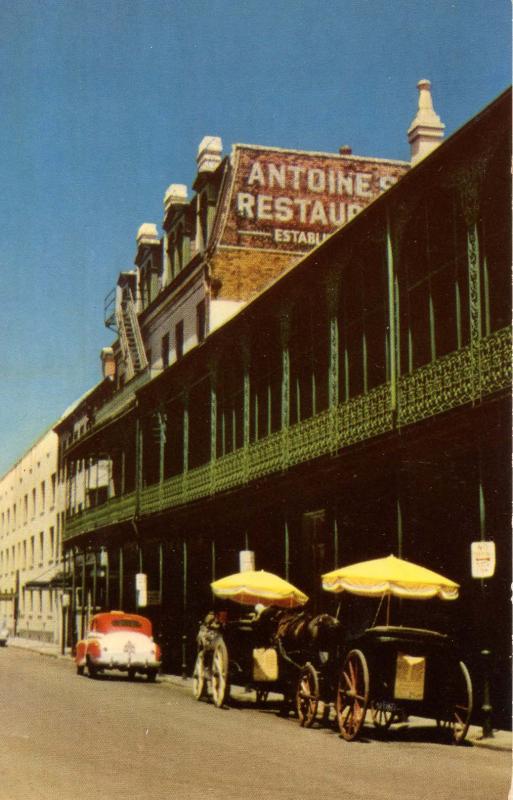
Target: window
33, 503
41, 547
52, 543
200, 321
165, 351
54, 478
43, 497
204, 220
179, 340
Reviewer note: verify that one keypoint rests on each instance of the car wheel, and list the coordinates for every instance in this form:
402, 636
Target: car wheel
131, 674
80, 669
91, 669
152, 675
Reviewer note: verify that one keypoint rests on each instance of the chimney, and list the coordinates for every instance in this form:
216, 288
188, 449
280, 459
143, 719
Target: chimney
427, 130
345, 150
108, 363
209, 153
147, 234
176, 195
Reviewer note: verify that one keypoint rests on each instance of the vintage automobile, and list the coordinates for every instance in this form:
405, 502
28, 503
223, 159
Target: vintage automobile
4, 634
118, 641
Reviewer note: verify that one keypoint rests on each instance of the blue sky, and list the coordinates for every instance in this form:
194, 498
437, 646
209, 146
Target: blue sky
104, 105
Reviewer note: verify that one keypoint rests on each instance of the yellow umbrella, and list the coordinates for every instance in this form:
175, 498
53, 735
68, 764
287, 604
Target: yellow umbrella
257, 586
390, 576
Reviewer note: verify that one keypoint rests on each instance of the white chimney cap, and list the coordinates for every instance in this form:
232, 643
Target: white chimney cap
175, 194
209, 153
427, 129
147, 233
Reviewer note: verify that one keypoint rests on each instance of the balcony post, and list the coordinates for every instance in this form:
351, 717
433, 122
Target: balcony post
82, 598
392, 317
246, 360
213, 368
138, 463
287, 548
285, 367
332, 301
120, 577
95, 579
73, 607
162, 442
474, 288
185, 431
184, 610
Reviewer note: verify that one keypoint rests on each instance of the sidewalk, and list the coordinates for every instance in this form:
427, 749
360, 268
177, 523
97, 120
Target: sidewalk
501, 740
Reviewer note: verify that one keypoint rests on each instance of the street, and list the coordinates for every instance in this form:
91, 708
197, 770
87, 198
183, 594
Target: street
70, 737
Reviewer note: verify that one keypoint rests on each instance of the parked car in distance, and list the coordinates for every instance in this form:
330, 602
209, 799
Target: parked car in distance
4, 634
118, 641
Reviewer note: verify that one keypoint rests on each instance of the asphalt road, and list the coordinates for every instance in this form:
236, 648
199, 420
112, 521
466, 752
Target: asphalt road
70, 737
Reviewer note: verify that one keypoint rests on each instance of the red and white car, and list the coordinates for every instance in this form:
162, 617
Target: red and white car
117, 640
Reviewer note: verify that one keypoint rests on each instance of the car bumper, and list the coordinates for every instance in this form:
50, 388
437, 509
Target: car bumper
125, 665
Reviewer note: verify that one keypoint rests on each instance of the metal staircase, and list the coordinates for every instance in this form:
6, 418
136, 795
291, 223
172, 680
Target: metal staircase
130, 339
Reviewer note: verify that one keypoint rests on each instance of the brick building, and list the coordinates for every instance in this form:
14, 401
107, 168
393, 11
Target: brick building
357, 404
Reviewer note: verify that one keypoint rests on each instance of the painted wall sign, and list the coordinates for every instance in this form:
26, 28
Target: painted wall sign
292, 200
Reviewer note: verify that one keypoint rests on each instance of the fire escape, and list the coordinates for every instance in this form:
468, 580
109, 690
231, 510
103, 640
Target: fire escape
121, 316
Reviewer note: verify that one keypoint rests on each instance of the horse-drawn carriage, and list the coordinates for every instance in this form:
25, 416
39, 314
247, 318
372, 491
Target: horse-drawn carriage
389, 670
392, 672
245, 649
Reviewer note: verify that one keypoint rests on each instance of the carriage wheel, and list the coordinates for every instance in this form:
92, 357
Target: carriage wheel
220, 687
307, 696
198, 676
458, 717
383, 717
352, 694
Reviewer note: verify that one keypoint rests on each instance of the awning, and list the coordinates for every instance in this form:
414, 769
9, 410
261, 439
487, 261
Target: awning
59, 581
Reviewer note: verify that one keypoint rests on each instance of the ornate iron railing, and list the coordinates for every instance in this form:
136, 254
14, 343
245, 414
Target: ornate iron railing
117, 509
457, 379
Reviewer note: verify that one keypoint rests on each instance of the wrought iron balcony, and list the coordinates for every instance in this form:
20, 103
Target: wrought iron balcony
458, 379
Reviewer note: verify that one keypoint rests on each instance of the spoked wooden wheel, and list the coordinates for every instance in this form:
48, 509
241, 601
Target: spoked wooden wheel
198, 676
220, 688
457, 720
352, 694
307, 696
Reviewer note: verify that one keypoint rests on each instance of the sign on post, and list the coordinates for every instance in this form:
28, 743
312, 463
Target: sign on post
141, 589
246, 560
483, 559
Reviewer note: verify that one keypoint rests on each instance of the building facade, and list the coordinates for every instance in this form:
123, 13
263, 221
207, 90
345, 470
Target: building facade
252, 215
355, 406
31, 524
